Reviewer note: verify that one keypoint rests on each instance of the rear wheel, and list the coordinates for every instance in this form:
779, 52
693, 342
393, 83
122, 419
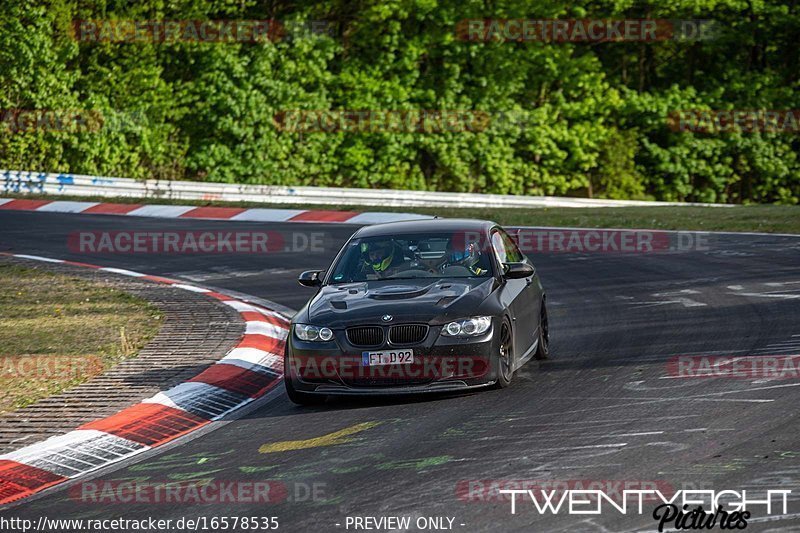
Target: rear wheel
505, 362
543, 349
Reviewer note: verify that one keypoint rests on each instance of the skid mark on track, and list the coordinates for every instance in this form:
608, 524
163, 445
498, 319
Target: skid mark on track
416, 464
256, 469
776, 518
665, 358
782, 296
587, 447
722, 393
789, 346
680, 297
645, 401
784, 293
178, 460
331, 439
226, 273
642, 386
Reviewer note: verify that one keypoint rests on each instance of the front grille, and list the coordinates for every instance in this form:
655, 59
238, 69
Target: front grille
365, 336
408, 333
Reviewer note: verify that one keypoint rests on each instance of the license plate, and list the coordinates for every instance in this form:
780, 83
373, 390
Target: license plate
394, 357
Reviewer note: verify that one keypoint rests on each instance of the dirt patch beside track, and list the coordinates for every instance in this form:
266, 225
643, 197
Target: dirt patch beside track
196, 332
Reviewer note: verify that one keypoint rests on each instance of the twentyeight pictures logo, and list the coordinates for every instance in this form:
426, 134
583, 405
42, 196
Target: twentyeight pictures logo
685, 509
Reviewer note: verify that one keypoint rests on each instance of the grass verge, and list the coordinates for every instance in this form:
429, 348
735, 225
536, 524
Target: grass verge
58, 331
740, 218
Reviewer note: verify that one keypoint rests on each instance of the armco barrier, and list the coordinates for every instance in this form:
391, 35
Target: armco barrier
20, 182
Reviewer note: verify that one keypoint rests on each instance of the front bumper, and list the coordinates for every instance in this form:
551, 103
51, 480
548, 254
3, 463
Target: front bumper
441, 387
441, 364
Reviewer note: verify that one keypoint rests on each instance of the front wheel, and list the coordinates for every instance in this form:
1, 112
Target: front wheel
505, 362
543, 348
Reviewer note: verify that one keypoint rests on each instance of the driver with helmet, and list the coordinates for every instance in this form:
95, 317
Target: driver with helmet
462, 254
382, 258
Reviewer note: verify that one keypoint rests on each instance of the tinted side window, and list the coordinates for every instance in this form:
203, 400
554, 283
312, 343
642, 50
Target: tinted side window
499, 247
512, 251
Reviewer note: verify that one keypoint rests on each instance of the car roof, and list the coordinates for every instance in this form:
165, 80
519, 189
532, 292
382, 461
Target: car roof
425, 226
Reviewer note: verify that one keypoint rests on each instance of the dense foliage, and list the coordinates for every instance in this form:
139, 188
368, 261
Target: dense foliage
586, 119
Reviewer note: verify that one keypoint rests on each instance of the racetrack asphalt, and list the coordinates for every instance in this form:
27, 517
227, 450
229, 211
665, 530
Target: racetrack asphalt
603, 409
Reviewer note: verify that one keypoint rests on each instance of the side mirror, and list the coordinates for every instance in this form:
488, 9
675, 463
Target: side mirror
518, 270
310, 278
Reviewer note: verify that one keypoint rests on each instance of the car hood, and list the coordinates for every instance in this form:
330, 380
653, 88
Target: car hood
434, 302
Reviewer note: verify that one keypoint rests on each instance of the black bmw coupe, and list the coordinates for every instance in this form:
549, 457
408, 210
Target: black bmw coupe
413, 307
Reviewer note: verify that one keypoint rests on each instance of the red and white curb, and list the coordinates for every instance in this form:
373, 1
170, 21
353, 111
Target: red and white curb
247, 372
207, 213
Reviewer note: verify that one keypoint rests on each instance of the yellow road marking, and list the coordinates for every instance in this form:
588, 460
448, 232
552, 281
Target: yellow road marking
337, 437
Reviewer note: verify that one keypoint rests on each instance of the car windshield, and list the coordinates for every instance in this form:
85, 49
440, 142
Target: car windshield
419, 255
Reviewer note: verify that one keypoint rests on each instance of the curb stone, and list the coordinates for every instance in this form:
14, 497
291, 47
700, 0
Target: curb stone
249, 370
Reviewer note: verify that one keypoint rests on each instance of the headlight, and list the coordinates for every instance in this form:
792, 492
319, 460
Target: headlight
470, 327
306, 332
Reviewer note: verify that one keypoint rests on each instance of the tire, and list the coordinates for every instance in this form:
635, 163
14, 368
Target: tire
302, 398
505, 359
543, 348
